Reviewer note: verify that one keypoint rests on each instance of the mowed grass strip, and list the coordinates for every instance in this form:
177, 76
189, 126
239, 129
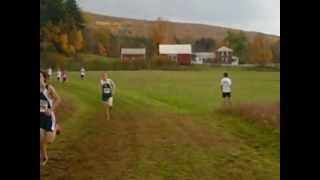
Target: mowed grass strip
165, 125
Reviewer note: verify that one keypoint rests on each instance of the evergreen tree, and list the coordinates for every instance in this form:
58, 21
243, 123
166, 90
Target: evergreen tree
73, 18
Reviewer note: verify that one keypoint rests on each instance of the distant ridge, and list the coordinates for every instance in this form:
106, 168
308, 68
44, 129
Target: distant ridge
184, 31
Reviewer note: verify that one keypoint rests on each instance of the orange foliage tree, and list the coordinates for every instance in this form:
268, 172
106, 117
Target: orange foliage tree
260, 51
77, 40
101, 49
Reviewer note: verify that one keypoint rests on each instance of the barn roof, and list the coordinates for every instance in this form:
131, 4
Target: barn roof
133, 50
175, 49
224, 49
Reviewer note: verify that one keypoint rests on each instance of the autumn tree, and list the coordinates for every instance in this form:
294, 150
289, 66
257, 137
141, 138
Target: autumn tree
161, 31
260, 51
77, 40
276, 52
102, 38
64, 43
101, 50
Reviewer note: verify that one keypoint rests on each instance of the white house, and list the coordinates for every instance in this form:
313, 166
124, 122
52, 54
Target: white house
224, 55
203, 57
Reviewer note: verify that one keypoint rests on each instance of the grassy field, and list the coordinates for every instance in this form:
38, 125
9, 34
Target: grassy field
165, 126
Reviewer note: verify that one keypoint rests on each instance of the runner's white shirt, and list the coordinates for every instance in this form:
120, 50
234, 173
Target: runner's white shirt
49, 71
108, 81
59, 73
226, 84
82, 71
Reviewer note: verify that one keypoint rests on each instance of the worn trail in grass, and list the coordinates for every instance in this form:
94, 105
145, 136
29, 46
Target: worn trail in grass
164, 126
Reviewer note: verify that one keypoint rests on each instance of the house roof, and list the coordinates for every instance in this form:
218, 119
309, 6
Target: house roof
133, 50
224, 49
175, 49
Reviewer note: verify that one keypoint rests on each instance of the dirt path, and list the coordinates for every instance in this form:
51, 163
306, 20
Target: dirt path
141, 146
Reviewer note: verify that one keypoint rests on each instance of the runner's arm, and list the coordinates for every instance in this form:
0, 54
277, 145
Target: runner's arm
56, 98
113, 87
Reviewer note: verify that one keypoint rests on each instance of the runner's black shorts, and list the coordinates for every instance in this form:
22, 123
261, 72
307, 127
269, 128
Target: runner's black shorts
47, 122
226, 94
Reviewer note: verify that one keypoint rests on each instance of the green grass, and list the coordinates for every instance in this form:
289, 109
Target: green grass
165, 126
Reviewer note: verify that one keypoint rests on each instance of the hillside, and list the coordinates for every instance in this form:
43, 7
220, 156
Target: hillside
184, 31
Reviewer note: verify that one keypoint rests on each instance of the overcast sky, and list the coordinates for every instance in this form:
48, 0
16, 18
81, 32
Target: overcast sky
252, 15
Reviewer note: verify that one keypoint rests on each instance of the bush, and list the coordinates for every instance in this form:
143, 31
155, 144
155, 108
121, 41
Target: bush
54, 60
162, 62
135, 64
74, 63
267, 115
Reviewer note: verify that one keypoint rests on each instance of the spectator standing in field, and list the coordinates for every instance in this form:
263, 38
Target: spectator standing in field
59, 75
49, 72
49, 100
64, 76
82, 72
108, 88
225, 85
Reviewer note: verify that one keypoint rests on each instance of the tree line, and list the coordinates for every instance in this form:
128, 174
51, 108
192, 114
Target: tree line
63, 29
260, 51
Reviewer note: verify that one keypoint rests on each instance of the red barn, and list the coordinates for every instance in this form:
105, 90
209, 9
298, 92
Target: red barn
181, 53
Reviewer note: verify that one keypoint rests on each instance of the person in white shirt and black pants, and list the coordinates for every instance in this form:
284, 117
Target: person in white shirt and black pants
82, 72
225, 85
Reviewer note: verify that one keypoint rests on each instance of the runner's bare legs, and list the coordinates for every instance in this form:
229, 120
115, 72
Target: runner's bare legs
47, 139
108, 111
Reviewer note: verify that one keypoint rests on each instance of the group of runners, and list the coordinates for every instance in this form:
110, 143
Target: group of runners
61, 74
49, 100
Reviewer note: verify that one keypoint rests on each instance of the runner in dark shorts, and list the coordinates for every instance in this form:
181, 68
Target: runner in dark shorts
82, 72
49, 100
225, 85
108, 90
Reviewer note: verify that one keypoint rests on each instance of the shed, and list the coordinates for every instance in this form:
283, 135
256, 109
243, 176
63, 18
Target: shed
235, 60
133, 53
